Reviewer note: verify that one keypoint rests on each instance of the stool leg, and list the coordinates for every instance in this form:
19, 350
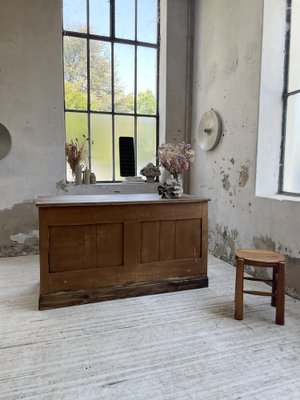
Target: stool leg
280, 294
274, 286
239, 289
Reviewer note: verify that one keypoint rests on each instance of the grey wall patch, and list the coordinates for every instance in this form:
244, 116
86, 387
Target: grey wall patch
244, 175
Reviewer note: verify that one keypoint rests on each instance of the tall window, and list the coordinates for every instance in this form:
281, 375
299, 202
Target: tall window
290, 165
111, 79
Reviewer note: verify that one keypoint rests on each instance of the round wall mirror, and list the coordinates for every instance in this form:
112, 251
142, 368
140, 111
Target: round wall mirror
5, 141
210, 130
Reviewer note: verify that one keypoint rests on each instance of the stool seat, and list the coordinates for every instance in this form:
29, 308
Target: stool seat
261, 258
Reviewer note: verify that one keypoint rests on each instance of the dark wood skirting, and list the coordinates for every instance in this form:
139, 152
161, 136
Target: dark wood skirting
63, 299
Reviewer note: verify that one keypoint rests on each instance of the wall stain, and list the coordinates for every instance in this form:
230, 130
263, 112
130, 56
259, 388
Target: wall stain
232, 61
226, 183
251, 53
213, 74
292, 275
22, 217
244, 175
264, 242
62, 185
225, 243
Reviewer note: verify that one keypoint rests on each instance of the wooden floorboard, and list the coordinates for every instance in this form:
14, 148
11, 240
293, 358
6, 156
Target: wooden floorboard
180, 345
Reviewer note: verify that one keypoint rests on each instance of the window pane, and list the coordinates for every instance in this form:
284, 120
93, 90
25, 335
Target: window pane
125, 19
101, 148
100, 75
124, 78
294, 67
291, 176
75, 73
146, 142
100, 17
76, 127
124, 126
146, 80
147, 21
74, 15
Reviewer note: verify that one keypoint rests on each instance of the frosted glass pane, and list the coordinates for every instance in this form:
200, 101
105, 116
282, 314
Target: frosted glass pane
75, 73
294, 64
101, 147
147, 21
146, 80
100, 17
125, 19
100, 75
124, 78
291, 176
74, 15
76, 127
146, 142
124, 126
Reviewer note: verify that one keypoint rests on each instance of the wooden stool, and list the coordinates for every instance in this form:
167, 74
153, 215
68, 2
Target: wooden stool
261, 258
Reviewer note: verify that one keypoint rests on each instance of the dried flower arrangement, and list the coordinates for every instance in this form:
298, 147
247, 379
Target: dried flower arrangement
76, 152
175, 158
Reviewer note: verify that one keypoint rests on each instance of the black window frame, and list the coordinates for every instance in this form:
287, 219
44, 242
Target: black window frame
285, 96
112, 39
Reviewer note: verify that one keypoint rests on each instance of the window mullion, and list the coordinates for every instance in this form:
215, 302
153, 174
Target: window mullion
88, 84
135, 87
112, 33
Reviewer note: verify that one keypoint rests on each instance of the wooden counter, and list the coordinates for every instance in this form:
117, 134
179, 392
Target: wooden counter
104, 247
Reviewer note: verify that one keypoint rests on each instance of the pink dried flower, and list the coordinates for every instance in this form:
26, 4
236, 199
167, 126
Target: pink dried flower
175, 158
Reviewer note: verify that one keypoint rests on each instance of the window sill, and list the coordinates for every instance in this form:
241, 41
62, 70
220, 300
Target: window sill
280, 197
110, 188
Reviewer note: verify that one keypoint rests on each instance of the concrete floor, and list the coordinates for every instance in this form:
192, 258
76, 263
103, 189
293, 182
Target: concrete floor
183, 345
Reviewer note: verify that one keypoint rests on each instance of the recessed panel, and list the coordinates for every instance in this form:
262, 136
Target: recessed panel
188, 239
167, 240
150, 241
66, 248
109, 245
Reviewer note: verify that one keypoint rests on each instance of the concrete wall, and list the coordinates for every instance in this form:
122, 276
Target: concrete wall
175, 70
31, 107
227, 67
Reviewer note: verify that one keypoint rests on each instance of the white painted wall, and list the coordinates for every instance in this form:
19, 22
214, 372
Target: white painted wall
227, 70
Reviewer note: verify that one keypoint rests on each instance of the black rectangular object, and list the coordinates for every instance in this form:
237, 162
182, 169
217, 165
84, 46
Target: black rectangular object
127, 159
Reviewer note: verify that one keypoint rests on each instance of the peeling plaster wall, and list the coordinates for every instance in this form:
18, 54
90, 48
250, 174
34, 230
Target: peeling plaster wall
227, 46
